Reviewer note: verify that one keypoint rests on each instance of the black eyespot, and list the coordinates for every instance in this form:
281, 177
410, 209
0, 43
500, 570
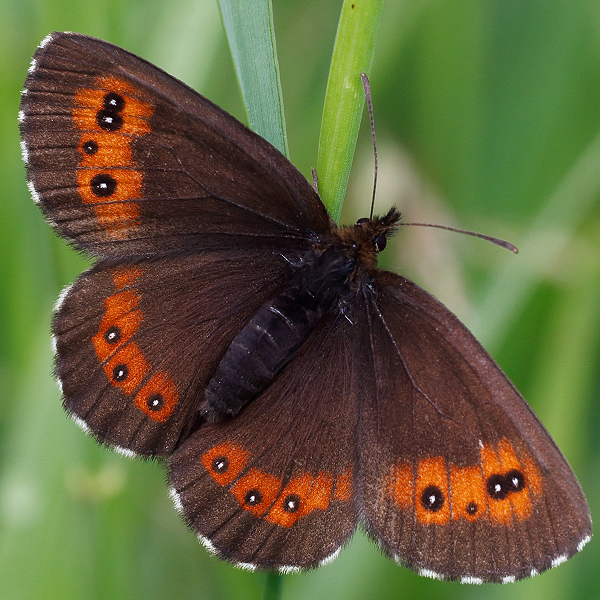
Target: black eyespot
112, 335
497, 487
471, 508
114, 102
380, 242
362, 221
155, 402
515, 481
253, 498
103, 185
120, 373
220, 464
90, 147
109, 120
291, 503
432, 498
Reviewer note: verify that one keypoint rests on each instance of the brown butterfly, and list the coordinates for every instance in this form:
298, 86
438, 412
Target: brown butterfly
229, 326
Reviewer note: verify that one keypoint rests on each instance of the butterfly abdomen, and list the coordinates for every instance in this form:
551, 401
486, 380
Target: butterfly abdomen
272, 336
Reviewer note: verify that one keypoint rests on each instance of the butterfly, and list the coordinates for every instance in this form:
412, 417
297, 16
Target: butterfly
229, 327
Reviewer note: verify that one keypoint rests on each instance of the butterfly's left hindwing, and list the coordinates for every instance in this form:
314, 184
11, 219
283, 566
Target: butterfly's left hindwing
137, 343
460, 479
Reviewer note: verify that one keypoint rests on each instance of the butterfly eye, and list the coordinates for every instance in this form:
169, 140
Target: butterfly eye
498, 487
220, 464
120, 373
380, 242
112, 335
362, 221
471, 508
114, 102
90, 147
155, 402
109, 118
103, 185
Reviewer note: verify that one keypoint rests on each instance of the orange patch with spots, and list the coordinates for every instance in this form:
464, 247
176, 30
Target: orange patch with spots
113, 149
431, 473
500, 488
300, 497
256, 491
136, 112
234, 458
107, 176
121, 320
158, 397
468, 493
137, 367
127, 189
290, 503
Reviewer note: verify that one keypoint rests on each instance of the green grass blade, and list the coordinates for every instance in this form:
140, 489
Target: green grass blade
273, 586
344, 99
251, 36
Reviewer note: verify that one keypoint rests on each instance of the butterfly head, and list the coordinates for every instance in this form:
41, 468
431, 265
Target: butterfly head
368, 237
377, 230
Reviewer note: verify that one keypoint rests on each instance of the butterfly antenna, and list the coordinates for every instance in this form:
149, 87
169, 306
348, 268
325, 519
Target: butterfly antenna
489, 238
367, 88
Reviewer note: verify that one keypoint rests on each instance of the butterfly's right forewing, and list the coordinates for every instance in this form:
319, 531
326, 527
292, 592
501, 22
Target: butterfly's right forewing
460, 479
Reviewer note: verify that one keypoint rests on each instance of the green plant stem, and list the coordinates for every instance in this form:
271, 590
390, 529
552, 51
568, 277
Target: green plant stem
344, 99
273, 586
251, 36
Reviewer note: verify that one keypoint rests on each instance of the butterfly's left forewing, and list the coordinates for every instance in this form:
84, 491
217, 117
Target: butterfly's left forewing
459, 478
201, 214
126, 160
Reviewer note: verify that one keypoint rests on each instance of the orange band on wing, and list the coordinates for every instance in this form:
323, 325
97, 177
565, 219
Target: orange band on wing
125, 365
500, 488
109, 117
264, 494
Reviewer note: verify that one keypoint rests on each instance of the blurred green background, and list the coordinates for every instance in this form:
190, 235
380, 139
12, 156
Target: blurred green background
488, 118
